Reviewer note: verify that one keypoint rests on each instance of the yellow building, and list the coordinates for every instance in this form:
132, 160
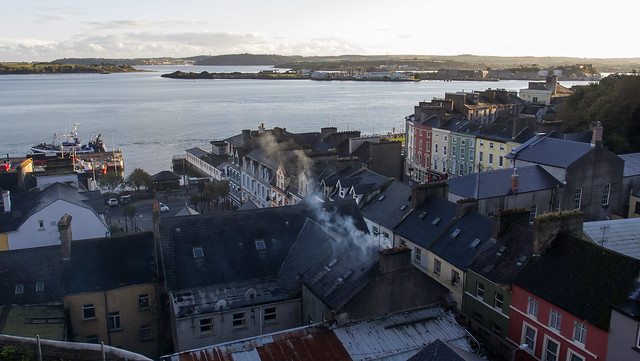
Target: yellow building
491, 153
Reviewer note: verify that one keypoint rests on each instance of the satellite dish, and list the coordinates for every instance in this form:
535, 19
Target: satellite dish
220, 305
250, 295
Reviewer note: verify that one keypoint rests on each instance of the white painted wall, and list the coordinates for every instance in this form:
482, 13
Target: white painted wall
84, 224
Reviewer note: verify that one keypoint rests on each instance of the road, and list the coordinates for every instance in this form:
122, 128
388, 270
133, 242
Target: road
144, 217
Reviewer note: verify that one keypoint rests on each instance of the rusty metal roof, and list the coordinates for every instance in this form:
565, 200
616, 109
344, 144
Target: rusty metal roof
395, 337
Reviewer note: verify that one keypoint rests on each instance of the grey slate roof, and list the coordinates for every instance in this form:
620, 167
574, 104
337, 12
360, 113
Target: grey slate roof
472, 228
386, 208
630, 307
165, 176
102, 264
334, 266
631, 164
23, 205
441, 351
501, 260
27, 267
581, 278
550, 151
421, 227
620, 235
497, 183
228, 242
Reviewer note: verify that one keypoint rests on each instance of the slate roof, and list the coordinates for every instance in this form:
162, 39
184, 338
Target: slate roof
228, 242
165, 176
501, 260
16, 267
630, 307
386, 208
631, 164
473, 232
441, 351
23, 205
421, 227
102, 264
584, 137
620, 235
47, 321
497, 183
581, 278
210, 158
550, 151
393, 337
197, 152
334, 266
524, 135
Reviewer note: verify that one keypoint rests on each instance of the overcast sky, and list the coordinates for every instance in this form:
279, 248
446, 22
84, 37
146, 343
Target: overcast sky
44, 30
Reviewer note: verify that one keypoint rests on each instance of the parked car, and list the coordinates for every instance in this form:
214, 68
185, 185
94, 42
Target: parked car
112, 202
163, 208
125, 199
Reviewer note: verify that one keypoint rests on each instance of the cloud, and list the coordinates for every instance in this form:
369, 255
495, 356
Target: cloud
128, 24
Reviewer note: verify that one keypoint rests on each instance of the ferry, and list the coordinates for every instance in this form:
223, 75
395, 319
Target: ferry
68, 143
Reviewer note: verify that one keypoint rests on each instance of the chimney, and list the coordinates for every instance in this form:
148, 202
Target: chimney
463, 204
6, 199
514, 180
395, 259
327, 131
64, 227
547, 227
421, 192
504, 218
552, 82
598, 132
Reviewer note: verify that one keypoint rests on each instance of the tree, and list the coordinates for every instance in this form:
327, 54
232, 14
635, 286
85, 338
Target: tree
110, 180
129, 211
194, 199
139, 178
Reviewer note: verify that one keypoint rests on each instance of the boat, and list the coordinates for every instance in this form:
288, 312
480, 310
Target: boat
70, 142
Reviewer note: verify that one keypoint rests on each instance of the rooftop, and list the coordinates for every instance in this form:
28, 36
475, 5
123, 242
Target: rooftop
620, 235
631, 164
425, 224
550, 151
390, 206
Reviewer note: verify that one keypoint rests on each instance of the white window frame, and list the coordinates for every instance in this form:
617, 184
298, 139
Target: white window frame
500, 161
205, 326
479, 289
437, 266
490, 158
577, 199
555, 319
144, 301
239, 320
417, 254
579, 332
545, 350
114, 321
86, 307
40, 286
570, 353
19, 289
606, 193
455, 278
532, 307
496, 300
531, 346
270, 314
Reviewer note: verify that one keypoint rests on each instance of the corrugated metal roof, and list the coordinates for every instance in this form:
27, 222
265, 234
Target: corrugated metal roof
620, 235
395, 337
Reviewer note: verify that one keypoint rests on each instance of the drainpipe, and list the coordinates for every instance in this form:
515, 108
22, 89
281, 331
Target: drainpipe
106, 313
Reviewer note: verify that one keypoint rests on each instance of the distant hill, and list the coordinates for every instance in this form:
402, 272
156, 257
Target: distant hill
421, 62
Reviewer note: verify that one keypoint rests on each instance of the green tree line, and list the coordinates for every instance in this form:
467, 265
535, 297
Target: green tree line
615, 102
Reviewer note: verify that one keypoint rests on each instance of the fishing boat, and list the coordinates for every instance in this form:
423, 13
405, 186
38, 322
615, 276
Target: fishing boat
69, 142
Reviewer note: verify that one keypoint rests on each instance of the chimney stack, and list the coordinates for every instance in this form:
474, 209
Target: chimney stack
547, 227
598, 132
6, 199
463, 204
515, 180
395, 259
421, 192
64, 227
504, 218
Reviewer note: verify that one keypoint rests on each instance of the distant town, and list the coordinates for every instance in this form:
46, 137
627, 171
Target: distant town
494, 227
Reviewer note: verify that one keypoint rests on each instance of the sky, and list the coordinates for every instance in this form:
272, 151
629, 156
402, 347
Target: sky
44, 30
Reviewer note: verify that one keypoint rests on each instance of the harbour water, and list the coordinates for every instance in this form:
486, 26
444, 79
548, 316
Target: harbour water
152, 118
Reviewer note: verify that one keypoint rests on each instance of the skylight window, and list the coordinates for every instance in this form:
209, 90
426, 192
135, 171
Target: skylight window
436, 221
455, 233
198, 252
381, 197
332, 263
404, 206
475, 243
423, 214
260, 245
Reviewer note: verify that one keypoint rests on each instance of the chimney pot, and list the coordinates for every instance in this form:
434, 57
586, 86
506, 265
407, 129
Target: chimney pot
515, 180
6, 199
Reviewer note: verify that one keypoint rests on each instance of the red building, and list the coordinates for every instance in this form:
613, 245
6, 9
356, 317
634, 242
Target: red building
419, 155
561, 301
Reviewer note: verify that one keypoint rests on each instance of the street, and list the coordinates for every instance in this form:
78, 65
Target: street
143, 221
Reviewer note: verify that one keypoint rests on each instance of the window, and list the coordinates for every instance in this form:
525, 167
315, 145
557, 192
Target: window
533, 214
490, 158
461, 168
470, 168
19, 289
462, 152
606, 191
437, 266
88, 311
478, 316
455, 278
500, 161
386, 235
238, 320
479, 289
198, 252
453, 150
577, 200
481, 143
91, 339
445, 138
453, 166
481, 156
490, 145
551, 350
574, 356
114, 321
532, 307
269, 314
417, 254
471, 155
498, 300
580, 332
40, 286
146, 333
529, 337
435, 148
144, 301
463, 141
502, 147
496, 328
638, 338
206, 326
555, 319
444, 149
41, 223
375, 230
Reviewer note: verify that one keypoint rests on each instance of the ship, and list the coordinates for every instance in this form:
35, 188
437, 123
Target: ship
70, 143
